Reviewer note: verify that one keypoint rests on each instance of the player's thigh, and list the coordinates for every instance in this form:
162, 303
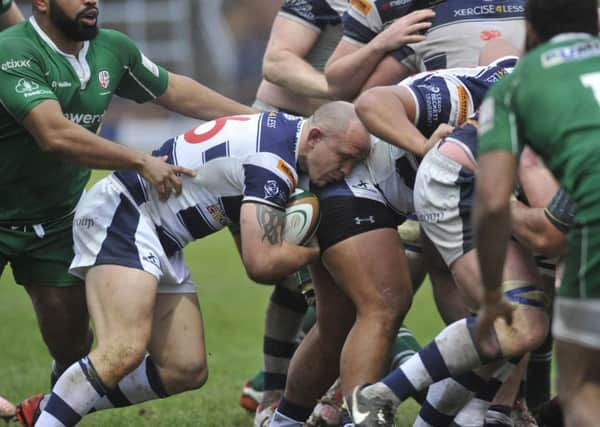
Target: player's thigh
371, 268
177, 331
121, 302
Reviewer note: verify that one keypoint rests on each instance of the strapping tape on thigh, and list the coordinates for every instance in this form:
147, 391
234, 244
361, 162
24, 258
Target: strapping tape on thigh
525, 293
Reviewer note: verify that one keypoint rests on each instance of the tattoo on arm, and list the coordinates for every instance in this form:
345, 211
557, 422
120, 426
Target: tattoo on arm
271, 222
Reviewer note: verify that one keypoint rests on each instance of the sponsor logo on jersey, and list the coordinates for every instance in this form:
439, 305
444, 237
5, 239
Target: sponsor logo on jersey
489, 9
565, 54
16, 63
271, 189
362, 6
26, 86
104, 78
84, 118
287, 171
56, 84
218, 214
489, 35
463, 104
149, 65
151, 258
271, 121
85, 222
395, 3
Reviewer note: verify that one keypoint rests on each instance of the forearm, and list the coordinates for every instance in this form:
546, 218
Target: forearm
286, 259
346, 75
385, 116
294, 74
188, 97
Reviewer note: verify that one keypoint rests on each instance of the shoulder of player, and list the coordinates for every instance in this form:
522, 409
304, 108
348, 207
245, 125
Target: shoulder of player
18, 42
107, 36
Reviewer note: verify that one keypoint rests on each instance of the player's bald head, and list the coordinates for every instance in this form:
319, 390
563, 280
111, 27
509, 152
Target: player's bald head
548, 18
339, 119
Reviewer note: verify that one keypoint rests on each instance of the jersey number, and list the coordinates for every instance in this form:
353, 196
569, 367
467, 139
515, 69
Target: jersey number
191, 137
592, 81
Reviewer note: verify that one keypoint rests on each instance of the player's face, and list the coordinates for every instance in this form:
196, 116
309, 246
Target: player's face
77, 19
332, 159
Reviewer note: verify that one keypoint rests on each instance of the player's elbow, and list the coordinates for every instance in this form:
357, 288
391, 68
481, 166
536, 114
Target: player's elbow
548, 242
365, 102
260, 269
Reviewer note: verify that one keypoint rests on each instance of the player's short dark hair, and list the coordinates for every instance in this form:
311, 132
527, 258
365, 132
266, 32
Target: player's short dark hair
552, 17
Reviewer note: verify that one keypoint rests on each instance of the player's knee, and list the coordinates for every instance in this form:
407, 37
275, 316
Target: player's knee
190, 376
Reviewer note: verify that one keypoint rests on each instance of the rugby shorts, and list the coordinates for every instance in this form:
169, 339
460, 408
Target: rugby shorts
39, 256
443, 198
109, 228
577, 308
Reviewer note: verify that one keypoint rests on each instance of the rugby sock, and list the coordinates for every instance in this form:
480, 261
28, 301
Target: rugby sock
283, 321
538, 374
498, 416
258, 381
446, 398
453, 352
138, 386
474, 413
289, 414
73, 396
405, 345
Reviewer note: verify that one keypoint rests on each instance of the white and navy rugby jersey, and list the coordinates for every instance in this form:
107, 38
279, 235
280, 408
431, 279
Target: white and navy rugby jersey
387, 176
458, 32
246, 158
450, 96
323, 16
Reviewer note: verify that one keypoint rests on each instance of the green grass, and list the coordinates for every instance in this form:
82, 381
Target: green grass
233, 309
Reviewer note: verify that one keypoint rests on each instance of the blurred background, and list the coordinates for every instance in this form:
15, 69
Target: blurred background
220, 43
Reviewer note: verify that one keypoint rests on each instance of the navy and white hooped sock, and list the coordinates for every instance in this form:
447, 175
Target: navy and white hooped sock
452, 353
141, 385
73, 396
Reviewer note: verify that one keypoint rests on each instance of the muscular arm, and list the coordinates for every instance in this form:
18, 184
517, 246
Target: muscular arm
284, 63
530, 225
188, 97
266, 257
491, 216
388, 72
351, 65
11, 17
57, 135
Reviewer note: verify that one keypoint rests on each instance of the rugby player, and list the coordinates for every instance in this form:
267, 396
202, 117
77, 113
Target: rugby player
375, 50
303, 35
128, 247
59, 73
443, 198
562, 47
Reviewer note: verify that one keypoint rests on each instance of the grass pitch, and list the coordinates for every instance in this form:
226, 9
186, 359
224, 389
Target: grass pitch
233, 309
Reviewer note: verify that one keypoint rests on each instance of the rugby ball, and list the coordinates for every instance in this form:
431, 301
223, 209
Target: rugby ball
302, 217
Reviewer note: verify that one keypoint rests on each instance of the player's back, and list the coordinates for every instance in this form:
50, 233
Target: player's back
247, 157
458, 32
555, 93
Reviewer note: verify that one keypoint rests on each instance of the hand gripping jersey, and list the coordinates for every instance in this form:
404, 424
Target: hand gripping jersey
323, 16
36, 186
237, 159
450, 96
458, 32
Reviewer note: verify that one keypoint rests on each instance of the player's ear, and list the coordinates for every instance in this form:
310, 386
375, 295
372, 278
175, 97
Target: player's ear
314, 136
40, 5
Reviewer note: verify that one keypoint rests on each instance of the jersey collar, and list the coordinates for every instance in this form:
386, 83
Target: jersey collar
79, 62
570, 36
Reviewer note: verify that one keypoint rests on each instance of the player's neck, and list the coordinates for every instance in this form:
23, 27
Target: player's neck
64, 43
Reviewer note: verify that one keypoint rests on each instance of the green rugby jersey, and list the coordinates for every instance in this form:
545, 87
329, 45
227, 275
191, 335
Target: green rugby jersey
36, 186
551, 102
4, 5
